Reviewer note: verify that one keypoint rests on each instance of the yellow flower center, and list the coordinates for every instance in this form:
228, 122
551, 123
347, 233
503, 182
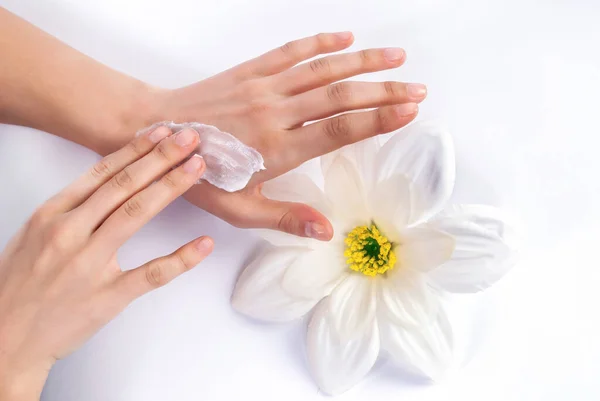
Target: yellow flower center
368, 251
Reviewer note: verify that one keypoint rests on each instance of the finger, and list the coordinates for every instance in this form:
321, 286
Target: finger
143, 206
249, 208
344, 96
331, 69
292, 53
76, 193
134, 177
292, 218
161, 271
328, 135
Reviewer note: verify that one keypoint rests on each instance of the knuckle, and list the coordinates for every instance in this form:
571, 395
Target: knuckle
103, 169
366, 57
392, 89
134, 147
287, 223
133, 207
154, 274
288, 48
39, 218
170, 181
320, 66
339, 93
322, 40
123, 179
338, 129
161, 151
180, 264
60, 237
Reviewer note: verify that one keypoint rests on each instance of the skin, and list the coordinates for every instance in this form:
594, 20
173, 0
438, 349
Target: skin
268, 103
59, 277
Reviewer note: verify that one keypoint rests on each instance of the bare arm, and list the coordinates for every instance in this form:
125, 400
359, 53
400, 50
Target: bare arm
270, 103
48, 85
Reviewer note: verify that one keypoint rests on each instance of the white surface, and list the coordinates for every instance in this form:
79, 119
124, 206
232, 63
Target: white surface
516, 83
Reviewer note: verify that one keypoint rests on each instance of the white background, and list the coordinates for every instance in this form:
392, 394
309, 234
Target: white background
516, 82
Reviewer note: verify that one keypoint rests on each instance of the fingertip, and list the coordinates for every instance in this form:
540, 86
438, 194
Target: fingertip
319, 230
195, 165
406, 110
158, 134
204, 245
345, 36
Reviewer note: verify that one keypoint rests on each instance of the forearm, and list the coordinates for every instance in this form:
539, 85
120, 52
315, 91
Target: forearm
48, 85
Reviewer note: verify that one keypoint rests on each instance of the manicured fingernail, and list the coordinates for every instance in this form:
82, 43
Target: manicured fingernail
343, 35
416, 91
407, 109
393, 54
186, 137
159, 134
204, 244
193, 164
316, 231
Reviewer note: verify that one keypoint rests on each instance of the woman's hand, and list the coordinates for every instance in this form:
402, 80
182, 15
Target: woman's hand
59, 277
288, 112
268, 103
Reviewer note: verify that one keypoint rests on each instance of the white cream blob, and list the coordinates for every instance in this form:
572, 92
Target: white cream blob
229, 163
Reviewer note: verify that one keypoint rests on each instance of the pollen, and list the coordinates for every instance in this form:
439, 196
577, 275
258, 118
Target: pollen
368, 251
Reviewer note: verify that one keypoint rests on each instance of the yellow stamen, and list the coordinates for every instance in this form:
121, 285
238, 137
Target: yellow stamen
368, 251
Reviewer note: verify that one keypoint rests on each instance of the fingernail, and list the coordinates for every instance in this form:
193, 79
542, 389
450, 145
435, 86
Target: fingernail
343, 35
407, 109
204, 244
316, 231
159, 134
393, 54
193, 164
186, 137
416, 91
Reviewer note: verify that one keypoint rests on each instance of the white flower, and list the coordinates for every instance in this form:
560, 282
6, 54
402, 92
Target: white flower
376, 285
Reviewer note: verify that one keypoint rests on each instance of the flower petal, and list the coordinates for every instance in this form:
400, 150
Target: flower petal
484, 252
423, 248
258, 292
426, 350
343, 338
424, 153
362, 154
314, 274
293, 187
345, 190
406, 299
390, 205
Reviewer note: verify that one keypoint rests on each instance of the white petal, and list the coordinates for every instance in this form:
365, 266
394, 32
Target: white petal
390, 205
424, 153
345, 191
314, 274
406, 299
362, 154
482, 254
422, 248
259, 294
343, 338
296, 187
293, 187
487, 217
426, 350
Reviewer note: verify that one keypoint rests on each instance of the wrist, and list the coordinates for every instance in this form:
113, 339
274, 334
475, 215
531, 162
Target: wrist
18, 384
138, 108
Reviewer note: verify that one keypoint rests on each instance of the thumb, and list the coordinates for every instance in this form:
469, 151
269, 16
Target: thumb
293, 218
